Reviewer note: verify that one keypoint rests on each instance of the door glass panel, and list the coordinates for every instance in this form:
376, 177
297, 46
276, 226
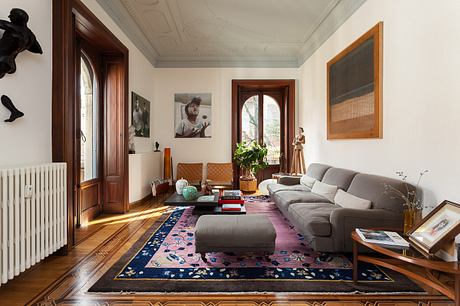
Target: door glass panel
88, 123
250, 120
272, 129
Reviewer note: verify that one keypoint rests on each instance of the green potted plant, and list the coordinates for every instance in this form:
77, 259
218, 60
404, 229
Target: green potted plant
250, 157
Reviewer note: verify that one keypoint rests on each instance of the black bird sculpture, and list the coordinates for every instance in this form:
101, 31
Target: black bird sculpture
15, 113
16, 38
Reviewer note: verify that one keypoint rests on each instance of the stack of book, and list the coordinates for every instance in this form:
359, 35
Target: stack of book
231, 200
383, 238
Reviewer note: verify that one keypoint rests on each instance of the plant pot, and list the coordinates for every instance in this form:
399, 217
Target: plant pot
248, 185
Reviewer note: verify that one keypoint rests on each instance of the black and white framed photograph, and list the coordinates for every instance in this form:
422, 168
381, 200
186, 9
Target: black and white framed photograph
140, 119
192, 115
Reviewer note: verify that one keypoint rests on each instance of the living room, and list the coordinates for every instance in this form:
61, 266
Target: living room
196, 48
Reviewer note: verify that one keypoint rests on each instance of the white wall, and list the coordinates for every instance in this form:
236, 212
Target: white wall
28, 139
421, 107
141, 73
217, 81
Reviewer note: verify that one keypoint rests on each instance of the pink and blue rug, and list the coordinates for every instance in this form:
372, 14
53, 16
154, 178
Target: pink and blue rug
165, 260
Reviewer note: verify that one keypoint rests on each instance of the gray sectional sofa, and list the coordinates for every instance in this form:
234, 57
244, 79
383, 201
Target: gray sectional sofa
327, 225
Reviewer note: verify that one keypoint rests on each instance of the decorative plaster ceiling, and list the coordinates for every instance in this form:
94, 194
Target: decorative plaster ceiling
229, 33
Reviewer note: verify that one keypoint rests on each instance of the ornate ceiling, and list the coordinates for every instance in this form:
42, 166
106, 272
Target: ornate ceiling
229, 33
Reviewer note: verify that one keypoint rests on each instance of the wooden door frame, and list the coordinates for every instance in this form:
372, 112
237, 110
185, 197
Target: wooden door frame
287, 131
70, 16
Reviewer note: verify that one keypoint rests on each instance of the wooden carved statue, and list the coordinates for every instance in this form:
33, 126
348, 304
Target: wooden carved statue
16, 38
298, 160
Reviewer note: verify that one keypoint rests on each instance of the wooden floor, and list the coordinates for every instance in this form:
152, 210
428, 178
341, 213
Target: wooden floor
64, 280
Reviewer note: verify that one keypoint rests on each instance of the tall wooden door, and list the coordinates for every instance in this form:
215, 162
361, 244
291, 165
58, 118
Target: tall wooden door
263, 112
89, 135
116, 146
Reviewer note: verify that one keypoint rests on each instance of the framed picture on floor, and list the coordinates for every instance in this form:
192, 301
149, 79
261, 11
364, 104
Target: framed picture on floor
354, 89
192, 115
140, 119
440, 226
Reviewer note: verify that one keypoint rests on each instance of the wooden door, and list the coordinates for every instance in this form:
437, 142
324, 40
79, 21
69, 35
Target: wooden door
89, 135
116, 142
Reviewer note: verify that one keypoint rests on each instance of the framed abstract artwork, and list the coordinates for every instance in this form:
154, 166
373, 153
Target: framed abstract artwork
354, 89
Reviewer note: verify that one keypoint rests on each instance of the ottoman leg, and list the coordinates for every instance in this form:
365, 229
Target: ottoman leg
267, 258
203, 257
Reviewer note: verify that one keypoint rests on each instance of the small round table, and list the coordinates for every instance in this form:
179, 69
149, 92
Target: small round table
400, 259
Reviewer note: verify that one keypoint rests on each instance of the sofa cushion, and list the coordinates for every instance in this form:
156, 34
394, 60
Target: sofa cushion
307, 181
325, 190
347, 200
339, 177
317, 171
274, 188
312, 218
372, 187
285, 198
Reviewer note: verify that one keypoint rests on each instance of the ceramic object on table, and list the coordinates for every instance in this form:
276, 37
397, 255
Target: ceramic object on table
180, 185
189, 193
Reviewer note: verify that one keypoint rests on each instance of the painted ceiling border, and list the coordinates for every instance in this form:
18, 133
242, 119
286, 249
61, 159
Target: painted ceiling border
332, 21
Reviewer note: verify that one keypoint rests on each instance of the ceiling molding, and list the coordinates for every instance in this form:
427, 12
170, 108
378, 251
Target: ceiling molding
241, 62
326, 24
120, 15
337, 16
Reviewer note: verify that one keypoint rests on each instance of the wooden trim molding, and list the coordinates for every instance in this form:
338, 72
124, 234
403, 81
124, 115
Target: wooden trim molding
287, 130
69, 18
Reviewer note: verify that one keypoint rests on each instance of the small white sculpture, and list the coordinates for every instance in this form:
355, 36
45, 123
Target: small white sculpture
180, 185
131, 133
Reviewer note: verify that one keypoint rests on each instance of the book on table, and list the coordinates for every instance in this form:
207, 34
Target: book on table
231, 207
231, 195
383, 238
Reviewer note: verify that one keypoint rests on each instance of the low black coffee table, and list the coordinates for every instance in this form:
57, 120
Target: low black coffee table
201, 207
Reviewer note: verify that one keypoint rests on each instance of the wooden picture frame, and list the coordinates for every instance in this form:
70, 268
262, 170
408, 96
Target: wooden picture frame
354, 89
437, 228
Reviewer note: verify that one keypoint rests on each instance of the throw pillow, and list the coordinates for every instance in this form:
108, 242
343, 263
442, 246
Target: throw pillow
347, 200
325, 190
307, 181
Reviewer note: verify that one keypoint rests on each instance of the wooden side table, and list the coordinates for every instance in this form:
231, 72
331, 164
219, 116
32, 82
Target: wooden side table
399, 261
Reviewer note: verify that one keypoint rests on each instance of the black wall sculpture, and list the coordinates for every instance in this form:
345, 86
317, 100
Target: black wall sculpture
17, 37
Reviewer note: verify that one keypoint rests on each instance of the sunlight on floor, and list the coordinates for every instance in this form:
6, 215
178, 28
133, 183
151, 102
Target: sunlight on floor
149, 213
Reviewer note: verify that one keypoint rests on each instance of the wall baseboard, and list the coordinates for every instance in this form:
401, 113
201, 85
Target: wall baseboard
148, 197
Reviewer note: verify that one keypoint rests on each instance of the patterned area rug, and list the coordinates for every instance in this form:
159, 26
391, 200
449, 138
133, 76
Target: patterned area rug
164, 261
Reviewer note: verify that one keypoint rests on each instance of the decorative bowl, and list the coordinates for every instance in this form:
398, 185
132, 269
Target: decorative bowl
189, 193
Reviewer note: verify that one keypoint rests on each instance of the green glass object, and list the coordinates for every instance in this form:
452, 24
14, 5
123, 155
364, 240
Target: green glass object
189, 193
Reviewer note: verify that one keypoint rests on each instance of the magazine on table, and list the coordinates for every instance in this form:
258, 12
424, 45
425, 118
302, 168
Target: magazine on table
383, 238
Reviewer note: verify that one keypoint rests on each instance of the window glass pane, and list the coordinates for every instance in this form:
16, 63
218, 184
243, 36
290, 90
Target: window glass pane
272, 129
88, 124
250, 119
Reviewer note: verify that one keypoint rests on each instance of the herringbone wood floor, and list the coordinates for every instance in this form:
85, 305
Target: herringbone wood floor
64, 280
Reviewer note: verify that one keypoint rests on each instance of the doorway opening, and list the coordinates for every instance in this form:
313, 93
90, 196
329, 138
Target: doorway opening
263, 112
90, 114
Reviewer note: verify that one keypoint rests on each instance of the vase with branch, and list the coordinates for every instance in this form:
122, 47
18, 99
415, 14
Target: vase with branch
412, 202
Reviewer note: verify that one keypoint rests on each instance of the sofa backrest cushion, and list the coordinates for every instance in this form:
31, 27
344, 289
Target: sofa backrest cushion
307, 181
317, 171
325, 190
347, 200
372, 188
339, 177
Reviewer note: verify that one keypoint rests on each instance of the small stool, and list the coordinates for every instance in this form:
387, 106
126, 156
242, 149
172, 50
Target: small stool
234, 233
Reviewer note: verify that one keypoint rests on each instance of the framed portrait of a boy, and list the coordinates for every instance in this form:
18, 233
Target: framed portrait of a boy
440, 226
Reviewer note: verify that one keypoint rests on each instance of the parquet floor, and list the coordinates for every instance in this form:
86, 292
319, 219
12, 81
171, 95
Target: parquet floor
64, 280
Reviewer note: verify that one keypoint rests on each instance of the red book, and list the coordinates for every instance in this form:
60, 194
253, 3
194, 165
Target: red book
230, 202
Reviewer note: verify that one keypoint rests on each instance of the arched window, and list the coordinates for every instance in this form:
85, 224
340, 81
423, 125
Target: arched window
264, 127
88, 122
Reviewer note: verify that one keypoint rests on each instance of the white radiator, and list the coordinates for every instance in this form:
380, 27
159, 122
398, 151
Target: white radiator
33, 216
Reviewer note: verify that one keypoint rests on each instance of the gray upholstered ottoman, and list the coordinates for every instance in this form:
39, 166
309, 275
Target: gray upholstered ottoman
234, 233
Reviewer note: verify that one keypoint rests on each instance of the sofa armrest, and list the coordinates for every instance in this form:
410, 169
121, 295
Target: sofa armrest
289, 180
345, 220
